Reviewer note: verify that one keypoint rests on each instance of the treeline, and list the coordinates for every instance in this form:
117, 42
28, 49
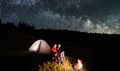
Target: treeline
14, 37
21, 26
56, 34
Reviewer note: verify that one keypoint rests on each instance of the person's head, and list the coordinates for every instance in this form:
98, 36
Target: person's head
59, 45
63, 51
55, 45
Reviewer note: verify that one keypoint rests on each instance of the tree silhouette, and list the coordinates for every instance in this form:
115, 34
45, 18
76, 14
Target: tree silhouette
0, 21
11, 25
25, 27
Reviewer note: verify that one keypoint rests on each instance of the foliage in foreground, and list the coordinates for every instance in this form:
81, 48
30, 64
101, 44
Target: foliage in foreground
53, 66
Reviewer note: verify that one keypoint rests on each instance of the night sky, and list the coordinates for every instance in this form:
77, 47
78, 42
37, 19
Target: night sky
100, 16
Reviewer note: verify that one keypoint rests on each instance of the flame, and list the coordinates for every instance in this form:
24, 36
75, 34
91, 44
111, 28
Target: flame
78, 65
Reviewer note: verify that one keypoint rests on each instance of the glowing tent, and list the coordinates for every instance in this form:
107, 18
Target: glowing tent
40, 46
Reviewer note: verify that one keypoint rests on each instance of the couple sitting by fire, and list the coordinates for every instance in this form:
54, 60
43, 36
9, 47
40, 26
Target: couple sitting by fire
57, 55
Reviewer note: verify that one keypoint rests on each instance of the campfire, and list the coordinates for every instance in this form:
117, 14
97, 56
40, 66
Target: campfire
78, 66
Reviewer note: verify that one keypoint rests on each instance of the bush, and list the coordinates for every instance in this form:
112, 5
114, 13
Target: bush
53, 66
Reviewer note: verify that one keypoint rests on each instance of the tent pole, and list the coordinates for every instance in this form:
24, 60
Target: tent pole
39, 47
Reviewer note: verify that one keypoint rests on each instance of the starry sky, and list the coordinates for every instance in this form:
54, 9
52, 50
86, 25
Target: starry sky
95, 16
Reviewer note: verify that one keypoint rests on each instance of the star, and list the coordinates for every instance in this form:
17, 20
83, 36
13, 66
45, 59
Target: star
75, 15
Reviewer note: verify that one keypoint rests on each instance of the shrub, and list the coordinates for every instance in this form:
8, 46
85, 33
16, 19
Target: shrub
53, 66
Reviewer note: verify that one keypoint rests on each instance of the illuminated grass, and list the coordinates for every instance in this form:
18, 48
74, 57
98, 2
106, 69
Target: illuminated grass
53, 66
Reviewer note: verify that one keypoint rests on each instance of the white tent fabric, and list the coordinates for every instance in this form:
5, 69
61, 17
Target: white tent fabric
40, 46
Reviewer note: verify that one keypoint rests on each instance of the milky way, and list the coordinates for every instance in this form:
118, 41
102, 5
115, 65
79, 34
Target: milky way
99, 16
